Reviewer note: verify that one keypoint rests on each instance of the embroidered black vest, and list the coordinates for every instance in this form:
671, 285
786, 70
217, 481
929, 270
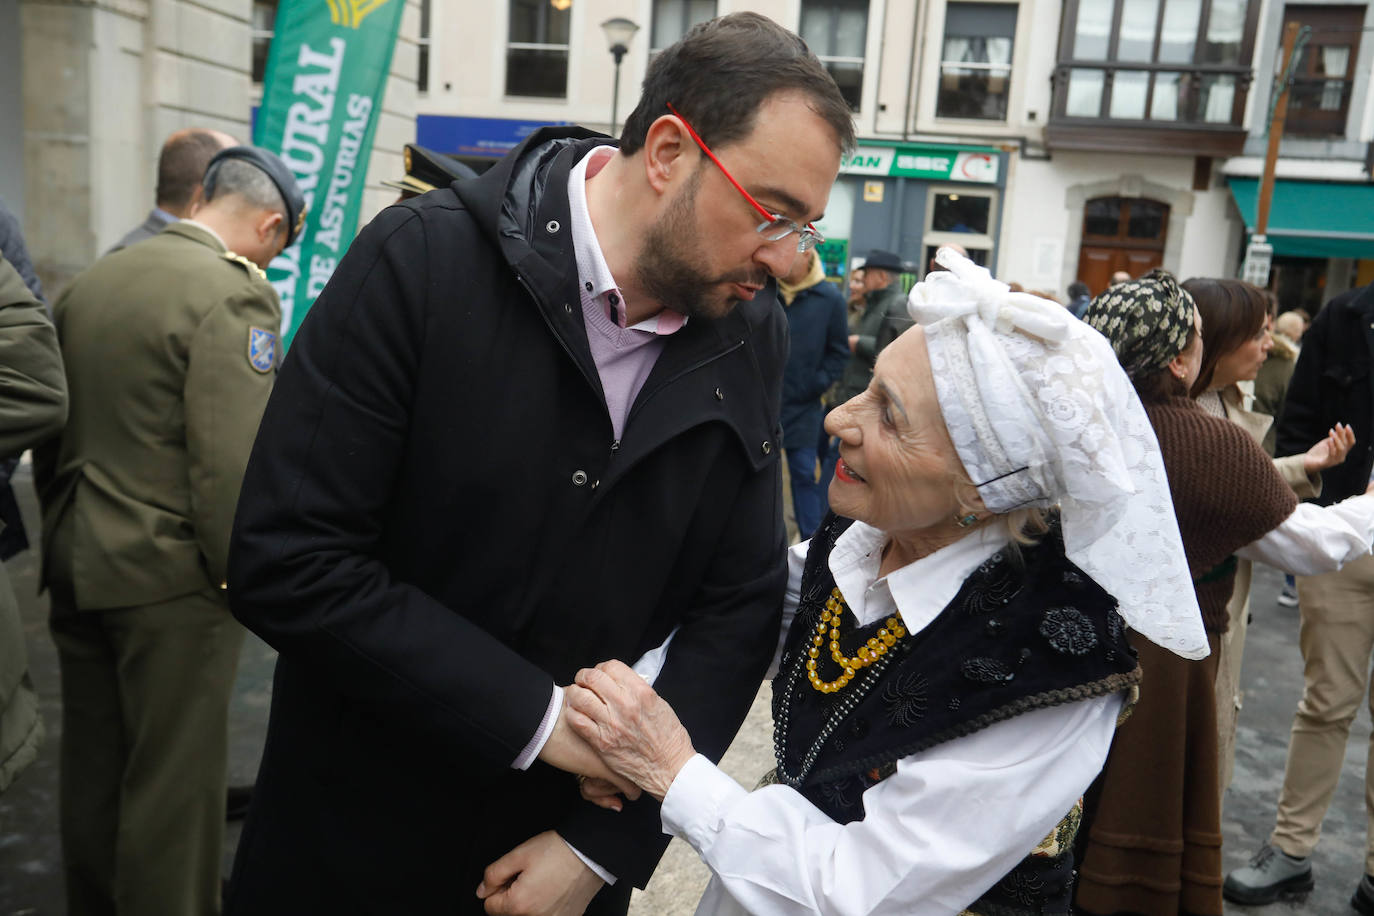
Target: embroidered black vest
1024, 632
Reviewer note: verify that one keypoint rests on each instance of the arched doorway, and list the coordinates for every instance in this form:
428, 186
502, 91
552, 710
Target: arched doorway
1121, 233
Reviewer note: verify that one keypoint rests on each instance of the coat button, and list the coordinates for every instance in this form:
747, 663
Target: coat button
579, 478
567, 307
720, 395
767, 447
552, 226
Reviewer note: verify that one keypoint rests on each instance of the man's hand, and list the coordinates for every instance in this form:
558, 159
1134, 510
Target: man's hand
1331, 451
540, 877
853, 342
567, 751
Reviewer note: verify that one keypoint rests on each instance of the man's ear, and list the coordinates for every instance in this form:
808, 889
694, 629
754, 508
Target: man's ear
667, 149
269, 225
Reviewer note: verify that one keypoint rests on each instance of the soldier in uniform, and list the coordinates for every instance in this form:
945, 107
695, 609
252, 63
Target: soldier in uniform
171, 350
33, 406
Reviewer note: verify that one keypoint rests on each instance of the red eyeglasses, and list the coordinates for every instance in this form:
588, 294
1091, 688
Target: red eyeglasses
775, 226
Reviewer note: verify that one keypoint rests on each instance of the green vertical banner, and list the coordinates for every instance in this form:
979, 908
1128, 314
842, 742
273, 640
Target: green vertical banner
321, 99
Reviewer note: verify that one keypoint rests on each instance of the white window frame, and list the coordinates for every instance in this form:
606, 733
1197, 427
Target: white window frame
982, 241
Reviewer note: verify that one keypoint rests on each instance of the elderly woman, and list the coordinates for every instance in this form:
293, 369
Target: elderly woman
1235, 343
954, 658
1153, 844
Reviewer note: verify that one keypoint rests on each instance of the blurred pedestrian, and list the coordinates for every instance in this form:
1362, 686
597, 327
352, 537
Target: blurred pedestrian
13, 537
819, 350
170, 348
530, 424
33, 406
1120, 276
1079, 298
180, 168
1336, 636
854, 295
13, 250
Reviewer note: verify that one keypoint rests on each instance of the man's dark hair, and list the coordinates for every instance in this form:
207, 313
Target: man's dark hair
1079, 288
723, 70
181, 165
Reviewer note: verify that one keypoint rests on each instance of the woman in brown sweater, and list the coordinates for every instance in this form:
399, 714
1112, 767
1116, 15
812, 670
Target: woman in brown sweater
1154, 844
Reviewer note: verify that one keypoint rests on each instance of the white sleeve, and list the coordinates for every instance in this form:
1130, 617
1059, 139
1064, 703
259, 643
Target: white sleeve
949, 824
796, 562
1317, 539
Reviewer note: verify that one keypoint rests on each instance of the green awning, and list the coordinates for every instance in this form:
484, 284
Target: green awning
1313, 219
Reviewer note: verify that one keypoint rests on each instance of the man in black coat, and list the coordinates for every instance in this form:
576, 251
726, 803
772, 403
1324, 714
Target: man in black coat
1333, 382
531, 424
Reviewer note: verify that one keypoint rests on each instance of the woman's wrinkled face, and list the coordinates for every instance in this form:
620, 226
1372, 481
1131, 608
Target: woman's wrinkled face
898, 467
1243, 363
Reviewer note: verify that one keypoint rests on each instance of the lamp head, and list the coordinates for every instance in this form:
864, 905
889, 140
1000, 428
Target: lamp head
619, 33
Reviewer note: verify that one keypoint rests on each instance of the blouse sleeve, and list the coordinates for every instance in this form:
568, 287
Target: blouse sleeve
1317, 539
938, 833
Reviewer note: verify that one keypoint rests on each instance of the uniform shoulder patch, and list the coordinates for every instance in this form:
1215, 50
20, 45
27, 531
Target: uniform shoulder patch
253, 269
262, 349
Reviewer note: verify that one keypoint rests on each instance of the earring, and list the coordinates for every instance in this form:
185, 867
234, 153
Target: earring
965, 521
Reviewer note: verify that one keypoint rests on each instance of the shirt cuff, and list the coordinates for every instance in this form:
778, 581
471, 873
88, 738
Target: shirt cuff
696, 801
596, 869
541, 734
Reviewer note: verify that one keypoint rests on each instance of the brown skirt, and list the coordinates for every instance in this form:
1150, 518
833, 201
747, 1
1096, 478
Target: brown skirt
1154, 845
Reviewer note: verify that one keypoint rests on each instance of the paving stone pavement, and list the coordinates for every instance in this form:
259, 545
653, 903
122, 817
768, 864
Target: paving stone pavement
30, 874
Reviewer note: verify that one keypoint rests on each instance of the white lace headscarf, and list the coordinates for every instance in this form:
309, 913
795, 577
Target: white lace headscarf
1042, 414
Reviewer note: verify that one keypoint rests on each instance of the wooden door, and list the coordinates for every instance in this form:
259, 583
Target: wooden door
1121, 234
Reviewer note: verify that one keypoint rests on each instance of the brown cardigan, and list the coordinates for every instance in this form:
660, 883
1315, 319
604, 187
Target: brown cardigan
1226, 494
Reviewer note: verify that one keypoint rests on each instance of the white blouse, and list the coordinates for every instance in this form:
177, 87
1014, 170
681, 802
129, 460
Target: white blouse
938, 833
1317, 539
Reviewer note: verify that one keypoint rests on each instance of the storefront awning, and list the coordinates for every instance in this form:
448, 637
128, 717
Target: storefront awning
1313, 219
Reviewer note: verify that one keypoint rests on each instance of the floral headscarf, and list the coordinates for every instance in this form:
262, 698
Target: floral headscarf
1147, 321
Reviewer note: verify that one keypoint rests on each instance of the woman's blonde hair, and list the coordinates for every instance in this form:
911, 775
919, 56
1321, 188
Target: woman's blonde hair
1024, 526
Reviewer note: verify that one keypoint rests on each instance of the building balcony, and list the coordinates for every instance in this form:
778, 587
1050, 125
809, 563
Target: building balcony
1143, 107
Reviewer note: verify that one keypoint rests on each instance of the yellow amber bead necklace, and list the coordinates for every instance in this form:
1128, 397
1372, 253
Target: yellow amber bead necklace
829, 626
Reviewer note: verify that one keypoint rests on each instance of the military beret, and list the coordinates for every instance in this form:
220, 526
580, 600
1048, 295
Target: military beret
427, 170
272, 165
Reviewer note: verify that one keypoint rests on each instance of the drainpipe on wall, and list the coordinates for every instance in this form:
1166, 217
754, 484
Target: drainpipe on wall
913, 76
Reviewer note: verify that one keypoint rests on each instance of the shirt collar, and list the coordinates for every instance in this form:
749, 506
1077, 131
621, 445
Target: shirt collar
165, 216
592, 271
920, 590
204, 228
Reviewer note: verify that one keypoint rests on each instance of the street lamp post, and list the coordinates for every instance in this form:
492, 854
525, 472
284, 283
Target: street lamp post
619, 33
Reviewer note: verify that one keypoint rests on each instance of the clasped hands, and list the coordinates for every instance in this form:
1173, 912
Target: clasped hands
620, 738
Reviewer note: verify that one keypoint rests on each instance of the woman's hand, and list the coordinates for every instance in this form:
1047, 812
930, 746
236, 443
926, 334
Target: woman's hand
634, 730
1331, 451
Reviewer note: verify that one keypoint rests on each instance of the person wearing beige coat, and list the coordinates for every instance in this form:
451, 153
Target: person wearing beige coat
1236, 342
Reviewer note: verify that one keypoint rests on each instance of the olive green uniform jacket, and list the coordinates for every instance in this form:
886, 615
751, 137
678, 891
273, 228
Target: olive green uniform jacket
33, 406
171, 349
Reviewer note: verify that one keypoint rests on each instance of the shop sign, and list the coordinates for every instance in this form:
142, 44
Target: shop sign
931, 163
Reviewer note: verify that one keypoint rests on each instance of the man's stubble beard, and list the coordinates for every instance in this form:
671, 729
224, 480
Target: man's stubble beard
669, 264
